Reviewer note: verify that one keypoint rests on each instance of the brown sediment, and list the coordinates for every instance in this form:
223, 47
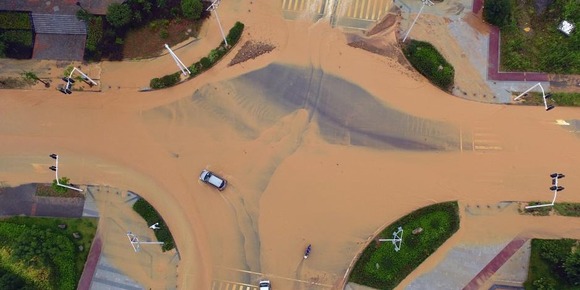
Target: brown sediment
251, 50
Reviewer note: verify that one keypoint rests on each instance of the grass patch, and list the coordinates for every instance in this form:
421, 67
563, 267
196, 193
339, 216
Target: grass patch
379, 266
559, 208
430, 63
149, 40
543, 48
547, 268
557, 99
49, 190
37, 253
567, 209
149, 214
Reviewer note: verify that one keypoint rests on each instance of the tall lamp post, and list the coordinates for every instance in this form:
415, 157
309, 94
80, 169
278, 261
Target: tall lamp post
55, 169
397, 239
425, 2
544, 96
213, 7
179, 63
69, 81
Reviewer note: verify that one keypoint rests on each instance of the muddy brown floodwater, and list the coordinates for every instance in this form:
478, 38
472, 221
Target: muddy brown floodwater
321, 143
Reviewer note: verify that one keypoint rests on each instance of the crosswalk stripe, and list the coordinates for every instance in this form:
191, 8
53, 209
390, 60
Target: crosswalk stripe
356, 5
369, 8
374, 12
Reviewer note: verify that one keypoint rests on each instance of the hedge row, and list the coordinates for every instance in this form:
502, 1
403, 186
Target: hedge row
430, 63
16, 43
151, 216
205, 62
15, 20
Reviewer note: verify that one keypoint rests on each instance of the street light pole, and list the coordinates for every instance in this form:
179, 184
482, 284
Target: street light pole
555, 187
425, 2
180, 64
544, 96
136, 243
213, 7
55, 169
397, 239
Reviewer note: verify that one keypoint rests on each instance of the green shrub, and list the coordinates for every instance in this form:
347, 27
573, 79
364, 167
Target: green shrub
94, 33
205, 62
191, 9
430, 63
235, 34
151, 216
23, 37
380, 266
15, 20
119, 15
498, 12
194, 69
165, 81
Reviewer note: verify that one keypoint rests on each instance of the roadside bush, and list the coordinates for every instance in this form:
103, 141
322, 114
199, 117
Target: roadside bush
191, 9
165, 81
205, 63
498, 12
15, 20
151, 216
430, 63
235, 34
119, 15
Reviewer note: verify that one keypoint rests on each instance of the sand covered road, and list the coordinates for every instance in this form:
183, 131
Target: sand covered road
321, 143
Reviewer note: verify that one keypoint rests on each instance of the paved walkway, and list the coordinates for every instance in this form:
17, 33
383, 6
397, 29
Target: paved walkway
91, 264
22, 200
501, 258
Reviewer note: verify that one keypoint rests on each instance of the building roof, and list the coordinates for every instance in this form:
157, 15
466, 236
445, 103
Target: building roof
58, 24
59, 46
98, 7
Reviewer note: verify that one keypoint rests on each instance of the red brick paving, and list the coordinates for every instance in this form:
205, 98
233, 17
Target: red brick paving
477, 5
91, 264
505, 254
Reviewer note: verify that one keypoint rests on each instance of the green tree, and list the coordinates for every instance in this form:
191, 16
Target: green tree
191, 9
119, 15
572, 268
544, 284
498, 12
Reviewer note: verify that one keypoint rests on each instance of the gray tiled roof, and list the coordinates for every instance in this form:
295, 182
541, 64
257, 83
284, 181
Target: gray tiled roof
58, 24
59, 46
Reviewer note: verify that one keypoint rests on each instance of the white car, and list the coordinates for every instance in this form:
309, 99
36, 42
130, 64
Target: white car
265, 285
208, 177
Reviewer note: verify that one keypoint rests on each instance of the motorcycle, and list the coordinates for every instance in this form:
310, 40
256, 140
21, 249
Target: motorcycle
308, 249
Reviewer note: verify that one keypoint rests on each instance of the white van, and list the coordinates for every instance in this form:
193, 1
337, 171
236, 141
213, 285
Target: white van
208, 177
265, 285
